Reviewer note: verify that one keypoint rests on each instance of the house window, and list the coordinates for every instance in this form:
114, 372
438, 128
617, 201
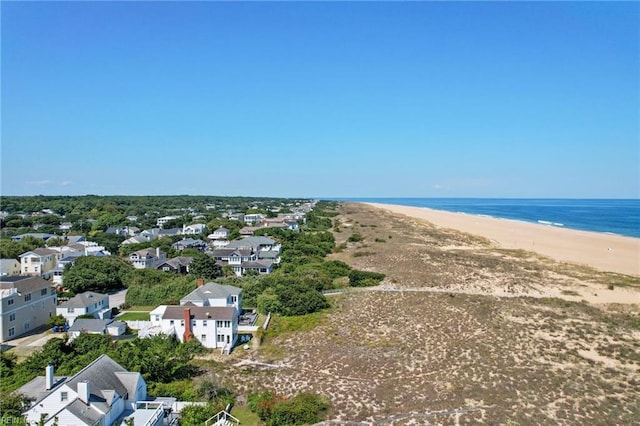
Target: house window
218, 323
12, 317
64, 396
43, 292
220, 338
181, 323
27, 326
27, 297
171, 322
10, 301
203, 338
70, 310
204, 323
234, 299
12, 332
158, 318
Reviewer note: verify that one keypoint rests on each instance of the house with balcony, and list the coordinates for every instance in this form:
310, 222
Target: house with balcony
101, 394
26, 303
147, 258
87, 303
38, 262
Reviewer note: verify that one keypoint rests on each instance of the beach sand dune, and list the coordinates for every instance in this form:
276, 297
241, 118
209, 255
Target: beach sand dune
604, 252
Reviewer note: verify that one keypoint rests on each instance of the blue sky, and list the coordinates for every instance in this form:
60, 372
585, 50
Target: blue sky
344, 99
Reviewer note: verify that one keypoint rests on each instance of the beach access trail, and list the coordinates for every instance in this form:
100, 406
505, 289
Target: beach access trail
604, 252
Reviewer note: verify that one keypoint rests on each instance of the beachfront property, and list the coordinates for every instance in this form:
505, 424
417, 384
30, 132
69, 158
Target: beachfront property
147, 258
27, 302
87, 303
38, 262
103, 393
209, 314
9, 267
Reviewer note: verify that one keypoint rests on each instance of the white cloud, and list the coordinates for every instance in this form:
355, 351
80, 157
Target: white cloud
48, 182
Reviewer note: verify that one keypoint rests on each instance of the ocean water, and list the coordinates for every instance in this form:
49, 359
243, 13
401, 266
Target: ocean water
616, 216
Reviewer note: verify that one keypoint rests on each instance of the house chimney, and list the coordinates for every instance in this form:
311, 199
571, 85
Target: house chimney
83, 391
200, 282
48, 376
188, 333
158, 252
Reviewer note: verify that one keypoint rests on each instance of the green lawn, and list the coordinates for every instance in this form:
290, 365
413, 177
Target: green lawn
134, 316
246, 417
142, 308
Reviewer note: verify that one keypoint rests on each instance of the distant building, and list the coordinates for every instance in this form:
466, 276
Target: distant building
9, 267
147, 258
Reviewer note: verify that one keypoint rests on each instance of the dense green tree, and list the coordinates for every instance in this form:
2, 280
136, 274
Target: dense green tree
98, 273
110, 242
204, 266
13, 249
153, 287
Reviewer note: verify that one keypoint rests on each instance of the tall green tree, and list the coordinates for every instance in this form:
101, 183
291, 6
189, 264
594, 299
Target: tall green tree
98, 273
204, 266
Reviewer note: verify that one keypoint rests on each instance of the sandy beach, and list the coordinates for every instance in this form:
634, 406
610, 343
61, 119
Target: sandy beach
611, 253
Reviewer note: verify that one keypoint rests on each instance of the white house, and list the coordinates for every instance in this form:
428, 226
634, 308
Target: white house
210, 314
252, 218
221, 233
39, 262
89, 302
147, 258
214, 327
103, 393
162, 220
196, 228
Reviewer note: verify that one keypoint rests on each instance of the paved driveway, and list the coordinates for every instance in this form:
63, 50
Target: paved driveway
116, 299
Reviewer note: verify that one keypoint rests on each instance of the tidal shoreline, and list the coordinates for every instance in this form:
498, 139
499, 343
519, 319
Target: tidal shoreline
604, 252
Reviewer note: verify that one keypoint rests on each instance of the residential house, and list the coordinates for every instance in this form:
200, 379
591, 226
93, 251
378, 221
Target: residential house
127, 231
39, 262
132, 218
169, 232
209, 314
87, 303
236, 216
136, 239
38, 235
221, 233
103, 393
187, 243
196, 228
252, 218
27, 302
179, 265
65, 226
162, 220
147, 258
9, 267
255, 243
96, 326
214, 294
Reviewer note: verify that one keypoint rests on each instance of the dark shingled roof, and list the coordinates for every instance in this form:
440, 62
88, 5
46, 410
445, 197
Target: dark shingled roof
199, 312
